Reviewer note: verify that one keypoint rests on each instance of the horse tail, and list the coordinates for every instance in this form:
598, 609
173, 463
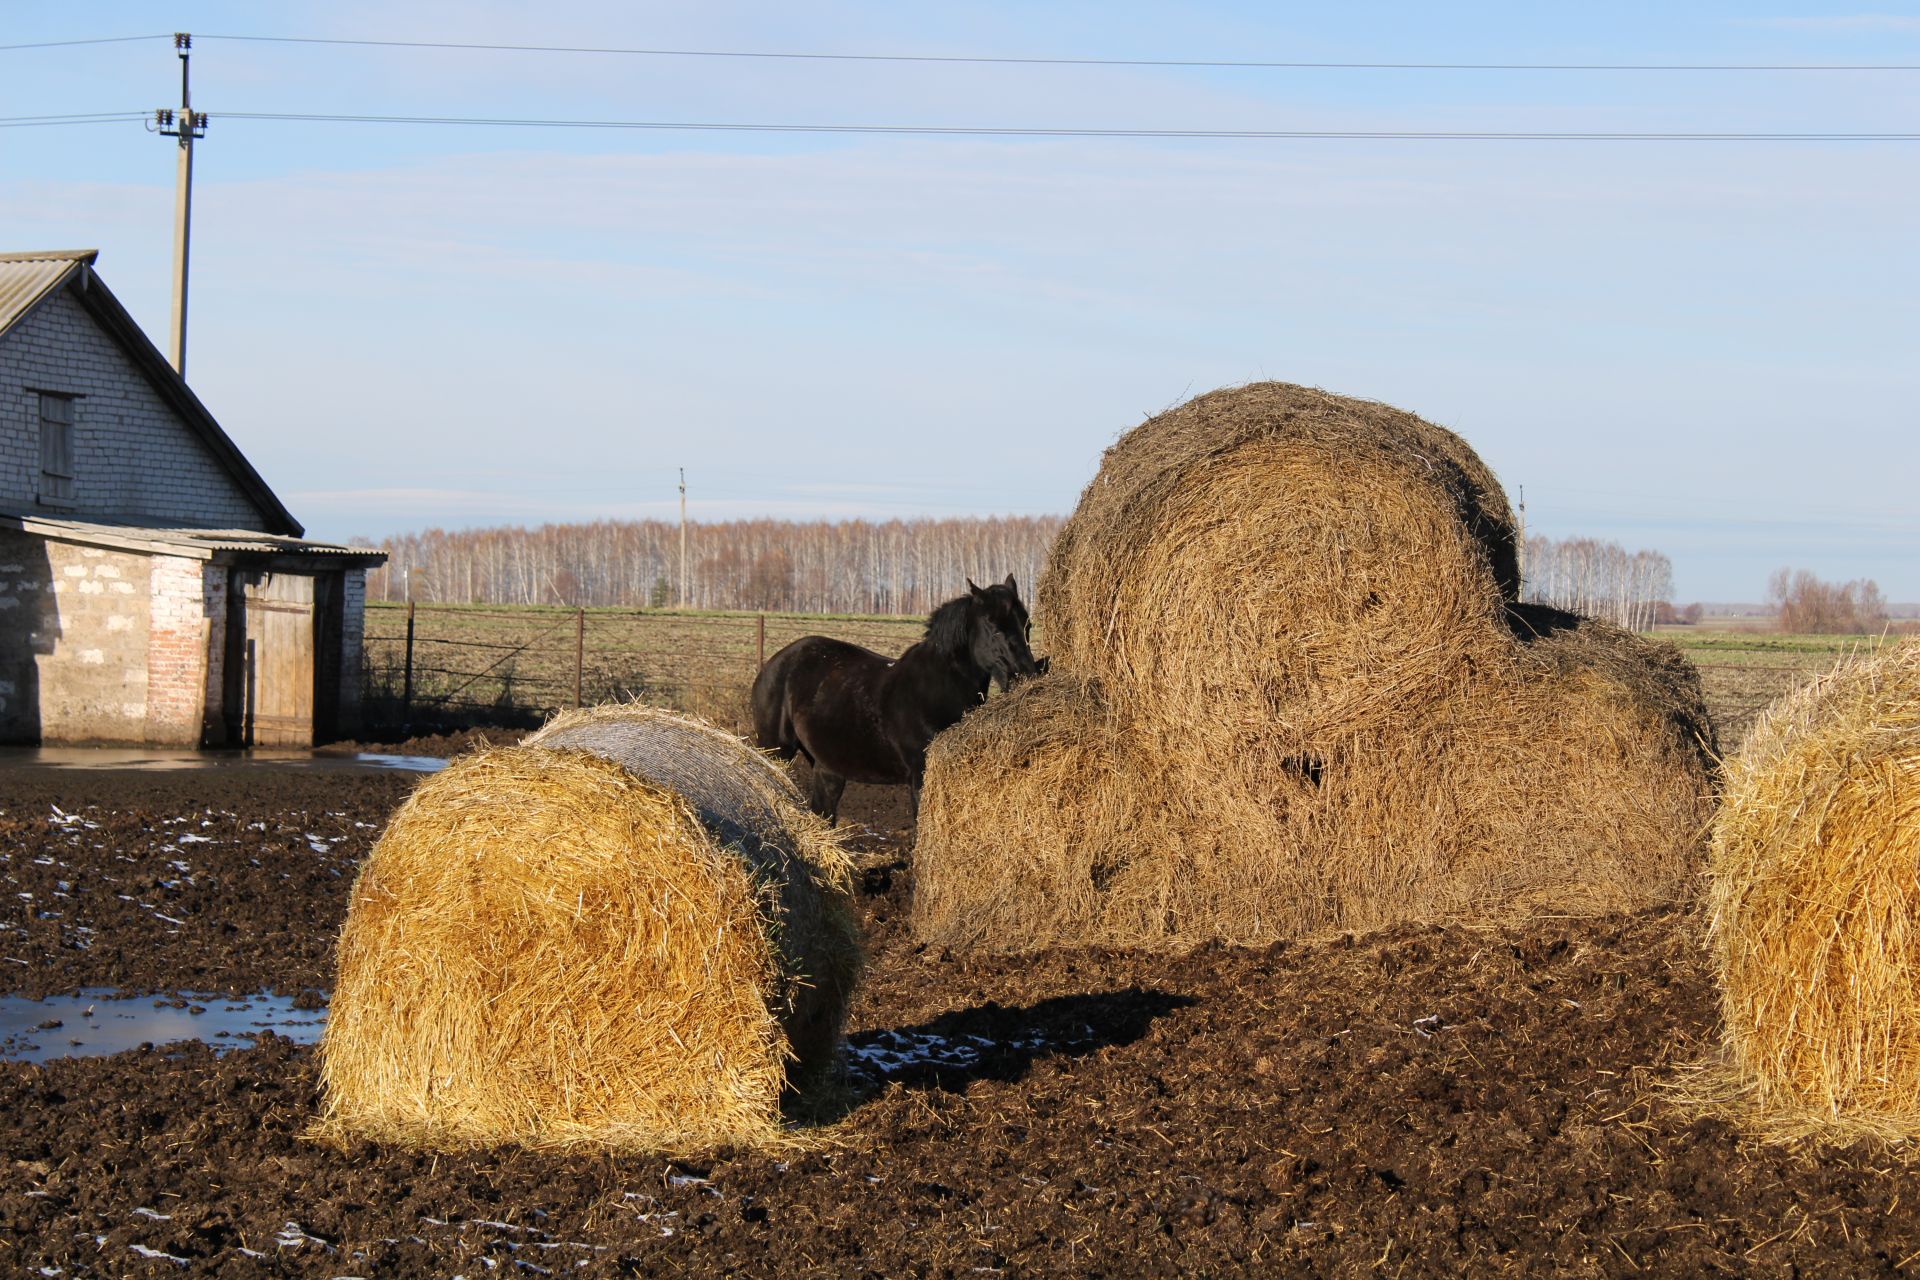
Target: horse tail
772, 725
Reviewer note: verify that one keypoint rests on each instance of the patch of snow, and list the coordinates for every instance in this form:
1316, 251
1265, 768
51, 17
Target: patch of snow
156, 1255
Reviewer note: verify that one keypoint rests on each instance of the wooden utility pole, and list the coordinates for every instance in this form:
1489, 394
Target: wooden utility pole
683, 537
186, 126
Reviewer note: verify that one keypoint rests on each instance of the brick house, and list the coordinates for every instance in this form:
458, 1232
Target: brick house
153, 589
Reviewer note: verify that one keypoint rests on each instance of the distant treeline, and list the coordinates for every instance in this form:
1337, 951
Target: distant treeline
849, 566
858, 566
1599, 579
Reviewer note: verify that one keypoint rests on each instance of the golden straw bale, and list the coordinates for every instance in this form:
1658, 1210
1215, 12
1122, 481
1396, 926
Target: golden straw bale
553, 945
1815, 904
1050, 818
1291, 696
1586, 786
1046, 821
1274, 555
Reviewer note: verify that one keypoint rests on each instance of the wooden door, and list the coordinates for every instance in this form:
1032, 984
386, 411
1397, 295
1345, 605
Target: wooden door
277, 636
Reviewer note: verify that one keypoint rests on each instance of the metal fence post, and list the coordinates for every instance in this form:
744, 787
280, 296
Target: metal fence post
579, 652
406, 686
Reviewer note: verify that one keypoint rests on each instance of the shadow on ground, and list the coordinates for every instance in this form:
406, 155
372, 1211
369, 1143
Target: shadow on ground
992, 1041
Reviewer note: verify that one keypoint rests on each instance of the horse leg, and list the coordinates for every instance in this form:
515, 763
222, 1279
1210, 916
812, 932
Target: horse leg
824, 797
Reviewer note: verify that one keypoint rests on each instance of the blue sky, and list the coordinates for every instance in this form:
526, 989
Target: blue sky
1707, 349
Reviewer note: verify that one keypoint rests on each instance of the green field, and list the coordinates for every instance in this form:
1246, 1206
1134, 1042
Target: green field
475, 664
1741, 671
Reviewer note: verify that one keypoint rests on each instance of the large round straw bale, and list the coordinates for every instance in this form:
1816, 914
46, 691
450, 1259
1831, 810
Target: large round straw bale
1277, 555
1051, 818
1816, 903
624, 932
1291, 695
1584, 787
1045, 820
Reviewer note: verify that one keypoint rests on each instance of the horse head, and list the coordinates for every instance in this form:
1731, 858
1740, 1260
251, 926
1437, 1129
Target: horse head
998, 629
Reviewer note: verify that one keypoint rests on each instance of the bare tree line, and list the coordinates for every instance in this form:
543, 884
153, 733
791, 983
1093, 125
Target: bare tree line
858, 566
851, 566
1809, 606
1599, 579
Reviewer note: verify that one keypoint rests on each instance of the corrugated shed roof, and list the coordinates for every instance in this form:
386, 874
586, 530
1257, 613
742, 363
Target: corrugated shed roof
201, 544
25, 278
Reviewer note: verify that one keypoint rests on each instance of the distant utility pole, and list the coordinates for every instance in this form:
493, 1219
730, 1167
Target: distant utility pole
1520, 551
683, 537
187, 125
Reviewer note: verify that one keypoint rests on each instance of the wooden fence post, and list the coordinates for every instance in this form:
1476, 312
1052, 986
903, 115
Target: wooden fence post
759, 643
579, 652
406, 686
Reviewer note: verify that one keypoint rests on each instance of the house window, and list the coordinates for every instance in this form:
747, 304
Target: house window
56, 449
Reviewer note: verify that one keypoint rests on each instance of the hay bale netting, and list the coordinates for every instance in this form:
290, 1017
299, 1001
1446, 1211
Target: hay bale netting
624, 932
1816, 904
1292, 695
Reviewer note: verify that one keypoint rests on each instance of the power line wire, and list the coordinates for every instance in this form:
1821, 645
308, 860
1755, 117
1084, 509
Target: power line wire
995, 60
991, 131
94, 117
1226, 64
61, 44
1388, 135
78, 115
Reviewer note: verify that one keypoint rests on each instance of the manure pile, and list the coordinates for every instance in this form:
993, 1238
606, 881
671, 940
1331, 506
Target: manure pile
1292, 693
624, 932
1816, 905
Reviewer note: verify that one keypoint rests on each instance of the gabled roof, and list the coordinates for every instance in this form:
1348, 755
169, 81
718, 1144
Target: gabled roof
28, 279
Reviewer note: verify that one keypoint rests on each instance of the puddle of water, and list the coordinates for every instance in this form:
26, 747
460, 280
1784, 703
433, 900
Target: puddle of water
161, 760
95, 1022
411, 764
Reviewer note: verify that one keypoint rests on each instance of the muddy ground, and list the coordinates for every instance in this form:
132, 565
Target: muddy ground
1427, 1101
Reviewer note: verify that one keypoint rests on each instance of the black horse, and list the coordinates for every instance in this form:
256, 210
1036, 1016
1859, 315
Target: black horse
858, 716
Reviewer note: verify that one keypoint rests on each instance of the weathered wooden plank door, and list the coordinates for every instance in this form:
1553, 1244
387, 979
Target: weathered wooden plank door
277, 655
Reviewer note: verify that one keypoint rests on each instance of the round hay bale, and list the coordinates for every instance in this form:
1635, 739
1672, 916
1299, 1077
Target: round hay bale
555, 945
1584, 787
1280, 557
1815, 903
1050, 819
1290, 696
1046, 821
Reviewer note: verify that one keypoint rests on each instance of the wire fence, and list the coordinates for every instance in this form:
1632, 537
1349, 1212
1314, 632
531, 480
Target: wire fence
436, 667
429, 668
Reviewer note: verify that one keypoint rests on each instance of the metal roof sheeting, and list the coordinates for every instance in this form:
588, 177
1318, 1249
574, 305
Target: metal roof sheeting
200, 544
25, 278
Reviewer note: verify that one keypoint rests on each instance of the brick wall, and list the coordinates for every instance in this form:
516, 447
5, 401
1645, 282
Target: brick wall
134, 460
98, 645
177, 647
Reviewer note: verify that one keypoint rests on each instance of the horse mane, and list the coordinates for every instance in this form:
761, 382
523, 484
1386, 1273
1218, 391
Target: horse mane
949, 630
